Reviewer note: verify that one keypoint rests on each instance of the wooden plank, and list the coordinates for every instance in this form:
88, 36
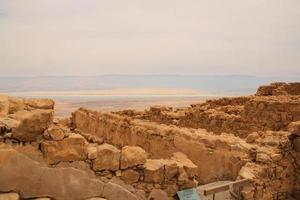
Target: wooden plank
226, 186
216, 189
241, 183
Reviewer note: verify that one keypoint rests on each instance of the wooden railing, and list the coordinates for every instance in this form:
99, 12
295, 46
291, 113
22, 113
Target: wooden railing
236, 185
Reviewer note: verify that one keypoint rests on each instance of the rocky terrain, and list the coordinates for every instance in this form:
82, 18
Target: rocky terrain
151, 154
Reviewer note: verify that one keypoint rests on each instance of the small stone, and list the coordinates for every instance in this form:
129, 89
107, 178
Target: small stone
55, 133
118, 173
130, 176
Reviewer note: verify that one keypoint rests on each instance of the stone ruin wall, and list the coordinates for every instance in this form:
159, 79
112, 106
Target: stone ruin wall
222, 157
168, 150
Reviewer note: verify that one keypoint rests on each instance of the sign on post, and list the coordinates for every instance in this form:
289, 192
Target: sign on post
189, 194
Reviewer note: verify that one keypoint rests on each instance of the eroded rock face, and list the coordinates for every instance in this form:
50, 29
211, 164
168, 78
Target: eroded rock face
32, 124
132, 156
30, 179
107, 158
73, 148
9, 196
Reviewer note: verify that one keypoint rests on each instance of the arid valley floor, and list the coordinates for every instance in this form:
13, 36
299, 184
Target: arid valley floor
128, 154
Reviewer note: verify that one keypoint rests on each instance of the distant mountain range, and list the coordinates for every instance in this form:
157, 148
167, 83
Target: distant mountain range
216, 85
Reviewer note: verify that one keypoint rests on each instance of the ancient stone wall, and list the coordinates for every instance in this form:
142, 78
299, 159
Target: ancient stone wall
223, 157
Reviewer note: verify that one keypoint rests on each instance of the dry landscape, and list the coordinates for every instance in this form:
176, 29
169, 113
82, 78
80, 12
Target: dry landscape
151, 154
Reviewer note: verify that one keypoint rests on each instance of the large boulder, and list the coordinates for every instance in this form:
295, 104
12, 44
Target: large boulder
107, 158
132, 156
30, 179
32, 124
73, 148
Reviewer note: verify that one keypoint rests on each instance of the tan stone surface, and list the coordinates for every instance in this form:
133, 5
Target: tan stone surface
72, 148
130, 176
108, 158
116, 192
132, 156
32, 124
19, 173
154, 171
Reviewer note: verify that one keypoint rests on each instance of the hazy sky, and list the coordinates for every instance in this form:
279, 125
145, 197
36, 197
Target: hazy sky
90, 37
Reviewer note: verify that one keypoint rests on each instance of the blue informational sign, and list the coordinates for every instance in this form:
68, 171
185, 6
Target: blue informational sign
189, 194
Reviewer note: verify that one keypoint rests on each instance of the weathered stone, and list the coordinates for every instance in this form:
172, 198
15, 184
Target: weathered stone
40, 103
252, 137
70, 149
157, 194
32, 124
132, 156
183, 161
31, 179
108, 158
92, 151
55, 133
116, 192
130, 176
9, 196
154, 171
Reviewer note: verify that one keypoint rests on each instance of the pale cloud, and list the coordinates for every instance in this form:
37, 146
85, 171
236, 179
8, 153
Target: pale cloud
80, 37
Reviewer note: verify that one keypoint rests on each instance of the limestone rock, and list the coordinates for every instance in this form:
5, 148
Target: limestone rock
132, 156
294, 128
130, 176
55, 132
116, 192
154, 171
31, 179
108, 158
32, 124
9, 196
70, 149
182, 161
157, 194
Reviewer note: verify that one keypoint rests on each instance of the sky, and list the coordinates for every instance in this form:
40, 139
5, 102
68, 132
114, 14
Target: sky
94, 37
